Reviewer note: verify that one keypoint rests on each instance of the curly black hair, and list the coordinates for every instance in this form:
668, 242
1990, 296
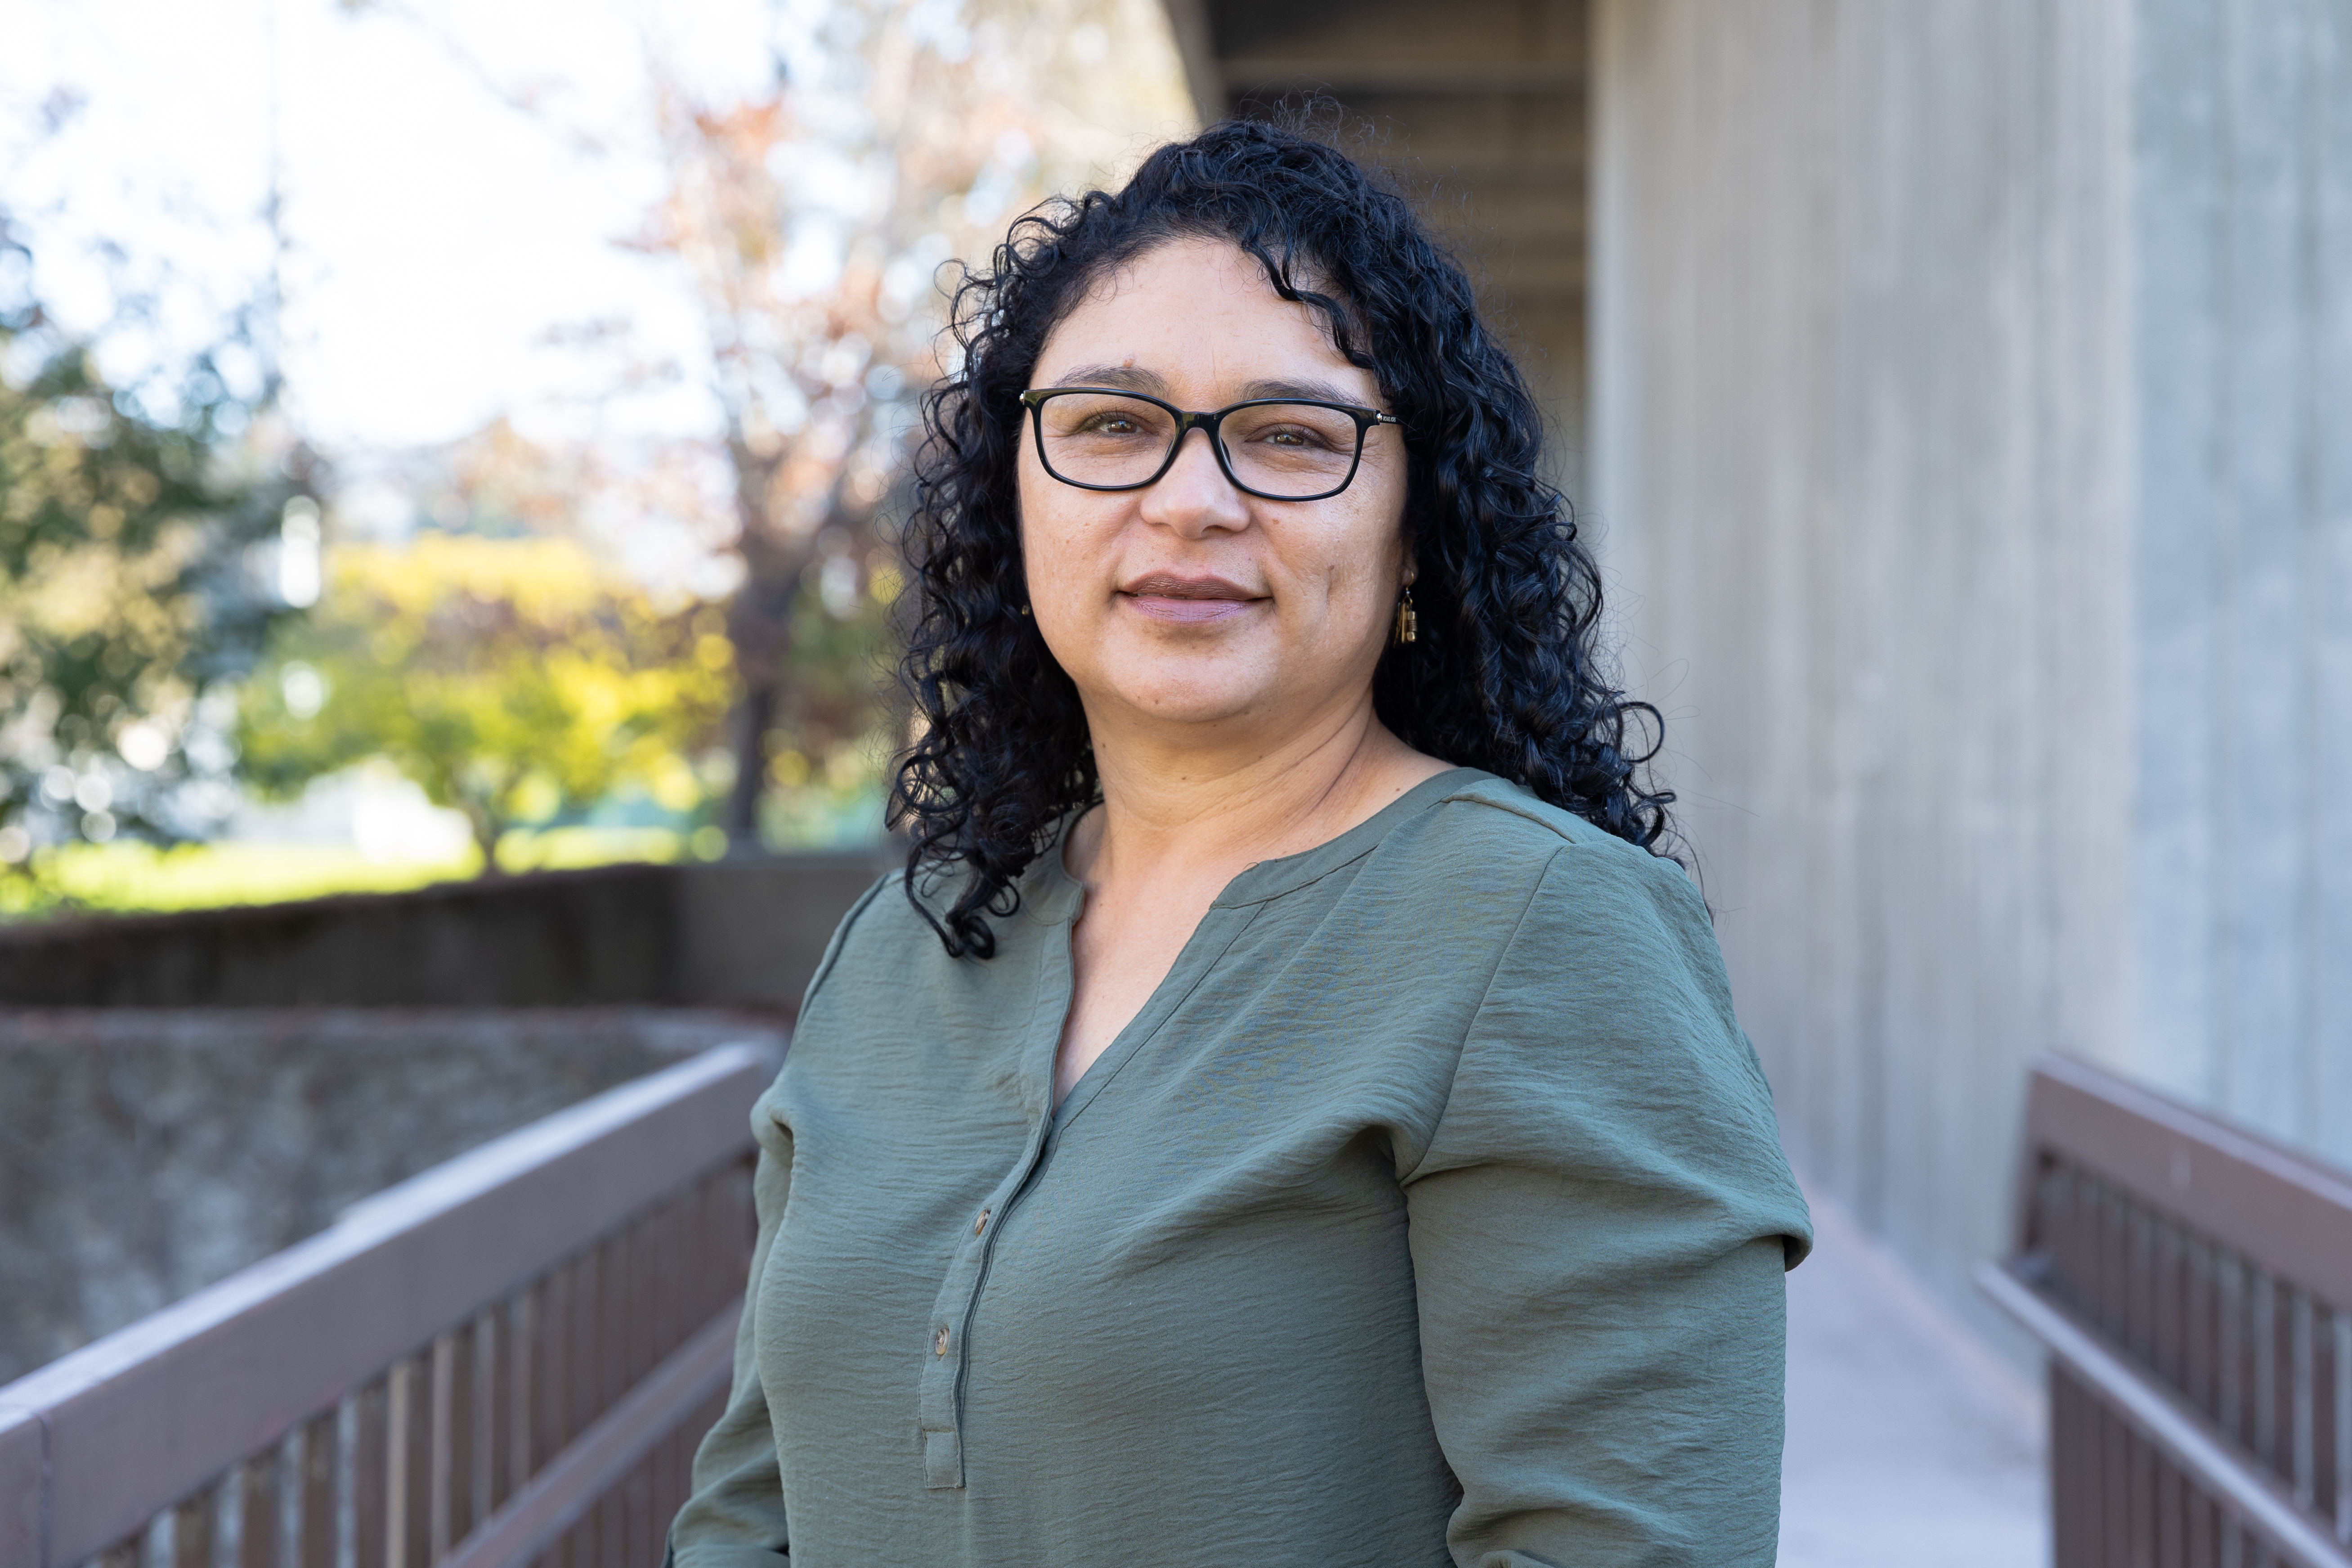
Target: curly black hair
1507, 673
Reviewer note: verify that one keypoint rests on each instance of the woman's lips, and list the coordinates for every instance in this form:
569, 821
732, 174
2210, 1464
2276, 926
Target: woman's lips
1168, 608
1187, 601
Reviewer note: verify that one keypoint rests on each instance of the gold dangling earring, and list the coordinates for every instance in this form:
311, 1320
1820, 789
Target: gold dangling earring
1408, 624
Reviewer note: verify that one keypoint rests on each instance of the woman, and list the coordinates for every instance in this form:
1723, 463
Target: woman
1286, 1113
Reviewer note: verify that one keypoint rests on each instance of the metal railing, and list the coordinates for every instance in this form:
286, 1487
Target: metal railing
2193, 1287
507, 1360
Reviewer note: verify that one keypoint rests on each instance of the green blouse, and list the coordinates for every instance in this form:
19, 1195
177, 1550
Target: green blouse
1430, 1211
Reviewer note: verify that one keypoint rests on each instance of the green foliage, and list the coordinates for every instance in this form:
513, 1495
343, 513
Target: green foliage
511, 679
125, 593
837, 720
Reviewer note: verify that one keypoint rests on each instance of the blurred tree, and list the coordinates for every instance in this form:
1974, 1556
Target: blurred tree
510, 678
813, 220
137, 545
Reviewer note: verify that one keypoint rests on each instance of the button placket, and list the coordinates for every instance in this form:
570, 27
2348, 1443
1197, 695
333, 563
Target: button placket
940, 1409
942, 1379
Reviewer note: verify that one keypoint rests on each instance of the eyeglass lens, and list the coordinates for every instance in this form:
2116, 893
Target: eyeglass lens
1280, 449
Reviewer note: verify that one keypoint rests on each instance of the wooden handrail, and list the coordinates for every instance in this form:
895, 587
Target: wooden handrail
2288, 1213
96, 1443
2207, 1455
2186, 1278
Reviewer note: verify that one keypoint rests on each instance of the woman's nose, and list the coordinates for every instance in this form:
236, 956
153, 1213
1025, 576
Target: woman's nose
1193, 497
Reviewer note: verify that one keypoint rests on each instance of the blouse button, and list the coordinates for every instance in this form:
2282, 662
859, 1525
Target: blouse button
981, 1223
940, 1341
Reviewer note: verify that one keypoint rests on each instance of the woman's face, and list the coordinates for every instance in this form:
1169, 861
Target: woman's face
1191, 602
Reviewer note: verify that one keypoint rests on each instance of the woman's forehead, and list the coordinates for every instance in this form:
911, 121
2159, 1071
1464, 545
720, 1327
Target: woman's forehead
1191, 308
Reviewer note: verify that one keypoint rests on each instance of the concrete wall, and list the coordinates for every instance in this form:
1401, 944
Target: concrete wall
182, 1095
146, 1154
736, 933
2242, 323
1970, 457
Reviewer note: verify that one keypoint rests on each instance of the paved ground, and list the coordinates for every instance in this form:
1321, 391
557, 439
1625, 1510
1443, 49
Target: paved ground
1910, 1445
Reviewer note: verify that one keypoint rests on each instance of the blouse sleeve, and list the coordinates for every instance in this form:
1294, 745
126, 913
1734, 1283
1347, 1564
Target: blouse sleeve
734, 1517
1598, 1228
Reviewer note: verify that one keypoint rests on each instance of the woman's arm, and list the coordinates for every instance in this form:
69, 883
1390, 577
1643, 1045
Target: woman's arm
1599, 1230
735, 1517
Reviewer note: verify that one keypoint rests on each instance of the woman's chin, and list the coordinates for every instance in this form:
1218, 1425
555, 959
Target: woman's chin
1194, 697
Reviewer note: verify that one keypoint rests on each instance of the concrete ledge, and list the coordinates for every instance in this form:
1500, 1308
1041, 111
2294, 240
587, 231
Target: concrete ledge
739, 934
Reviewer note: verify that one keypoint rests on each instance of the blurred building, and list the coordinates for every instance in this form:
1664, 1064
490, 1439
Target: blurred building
1958, 394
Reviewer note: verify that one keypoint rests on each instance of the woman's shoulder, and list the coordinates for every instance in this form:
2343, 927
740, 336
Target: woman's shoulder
889, 938
883, 934
1607, 1016
1567, 909
1490, 831
856, 925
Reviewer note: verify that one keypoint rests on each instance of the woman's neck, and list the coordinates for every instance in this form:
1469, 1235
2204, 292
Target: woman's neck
1174, 809
1179, 820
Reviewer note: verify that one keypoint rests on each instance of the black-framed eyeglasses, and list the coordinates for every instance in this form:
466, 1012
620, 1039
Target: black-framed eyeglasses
1278, 449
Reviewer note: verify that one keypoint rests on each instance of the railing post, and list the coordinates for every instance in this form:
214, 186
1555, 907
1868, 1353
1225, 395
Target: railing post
24, 1489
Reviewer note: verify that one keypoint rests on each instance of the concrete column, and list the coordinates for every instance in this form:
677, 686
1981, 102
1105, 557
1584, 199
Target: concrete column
1972, 455
2243, 177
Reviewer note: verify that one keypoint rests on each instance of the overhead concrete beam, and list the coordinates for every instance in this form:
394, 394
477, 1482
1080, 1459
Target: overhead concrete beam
1398, 77
1483, 120
1196, 46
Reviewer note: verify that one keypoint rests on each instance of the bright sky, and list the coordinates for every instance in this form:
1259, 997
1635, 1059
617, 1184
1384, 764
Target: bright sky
435, 232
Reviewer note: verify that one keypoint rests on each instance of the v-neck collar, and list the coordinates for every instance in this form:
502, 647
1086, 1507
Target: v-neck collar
1272, 879
1055, 896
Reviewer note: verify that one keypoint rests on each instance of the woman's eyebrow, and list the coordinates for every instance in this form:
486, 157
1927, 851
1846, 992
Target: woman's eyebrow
1317, 391
1136, 379
1125, 376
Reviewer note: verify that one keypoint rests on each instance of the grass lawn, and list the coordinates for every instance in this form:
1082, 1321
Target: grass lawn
128, 878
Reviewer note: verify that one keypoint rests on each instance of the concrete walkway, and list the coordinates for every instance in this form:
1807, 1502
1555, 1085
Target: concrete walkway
1910, 1443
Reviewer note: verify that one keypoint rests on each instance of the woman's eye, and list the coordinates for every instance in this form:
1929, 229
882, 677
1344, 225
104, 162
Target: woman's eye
1109, 424
1292, 436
